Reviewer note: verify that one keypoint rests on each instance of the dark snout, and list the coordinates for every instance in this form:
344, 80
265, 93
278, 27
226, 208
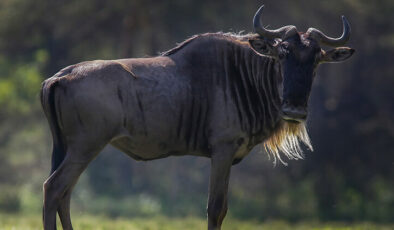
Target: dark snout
294, 113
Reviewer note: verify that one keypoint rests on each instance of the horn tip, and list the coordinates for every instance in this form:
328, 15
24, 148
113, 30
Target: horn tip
257, 18
260, 9
344, 19
346, 22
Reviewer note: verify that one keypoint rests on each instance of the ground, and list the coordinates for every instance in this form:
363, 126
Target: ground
85, 222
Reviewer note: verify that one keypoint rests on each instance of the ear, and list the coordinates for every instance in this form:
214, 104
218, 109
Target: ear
262, 46
337, 54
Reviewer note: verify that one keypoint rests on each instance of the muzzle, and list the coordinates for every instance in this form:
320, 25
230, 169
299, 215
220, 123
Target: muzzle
293, 113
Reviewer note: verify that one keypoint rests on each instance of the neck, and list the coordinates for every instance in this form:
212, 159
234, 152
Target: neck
249, 80
259, 75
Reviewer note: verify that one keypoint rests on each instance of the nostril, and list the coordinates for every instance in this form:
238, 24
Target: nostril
296, 112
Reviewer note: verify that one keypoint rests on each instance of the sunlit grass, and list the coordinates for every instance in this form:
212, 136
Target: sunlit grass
86, 222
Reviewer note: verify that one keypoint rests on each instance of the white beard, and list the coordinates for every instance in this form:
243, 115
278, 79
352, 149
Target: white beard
286, 140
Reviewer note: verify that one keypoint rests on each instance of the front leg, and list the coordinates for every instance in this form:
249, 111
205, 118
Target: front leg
221, 162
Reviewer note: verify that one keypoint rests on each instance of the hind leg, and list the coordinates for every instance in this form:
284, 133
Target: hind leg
55, 188
64, 210
58, 187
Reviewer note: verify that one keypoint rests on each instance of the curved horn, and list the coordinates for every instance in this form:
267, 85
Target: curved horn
282, 32
324, 39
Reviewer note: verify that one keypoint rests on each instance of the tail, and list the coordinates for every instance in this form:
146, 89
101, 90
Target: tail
48, 105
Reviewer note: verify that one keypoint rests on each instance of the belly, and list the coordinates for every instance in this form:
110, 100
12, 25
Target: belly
144, 148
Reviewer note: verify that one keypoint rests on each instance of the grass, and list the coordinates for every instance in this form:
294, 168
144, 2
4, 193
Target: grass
86, 222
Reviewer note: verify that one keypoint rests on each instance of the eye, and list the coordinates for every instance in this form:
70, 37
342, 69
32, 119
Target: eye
283, 50
264, 48
318, 56
284, 45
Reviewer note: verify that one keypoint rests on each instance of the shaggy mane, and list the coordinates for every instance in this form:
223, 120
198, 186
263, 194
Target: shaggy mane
286, 140
236, 36
179, 46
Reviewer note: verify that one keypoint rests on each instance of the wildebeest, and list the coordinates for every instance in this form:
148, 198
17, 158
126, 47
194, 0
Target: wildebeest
215, 95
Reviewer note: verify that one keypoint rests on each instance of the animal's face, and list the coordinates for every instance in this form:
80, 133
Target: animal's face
298, 55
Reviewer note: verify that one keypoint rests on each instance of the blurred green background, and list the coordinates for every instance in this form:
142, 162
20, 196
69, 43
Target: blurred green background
349, 176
